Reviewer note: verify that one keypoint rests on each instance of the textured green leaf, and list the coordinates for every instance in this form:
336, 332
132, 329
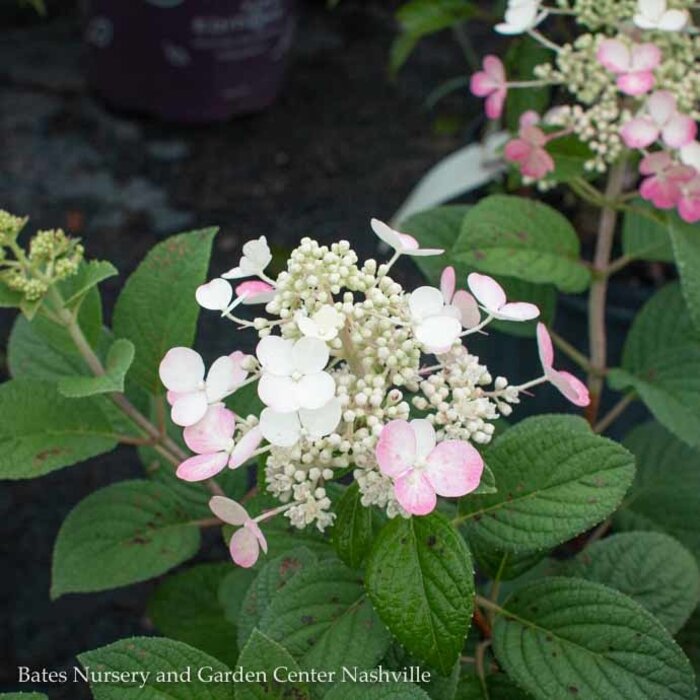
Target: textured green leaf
353, 529
650, 567
323, 618
186, 607
121, 534
119, 358
42, 431
686, 248
440, 228
9, 299
232, 592
661, 361
689, 639
523, 55
504, 565
523, 238
156, 657
267, 656
23, 696
156, 309
665, 495
273, 577
89, 275
499, 687
570, 155
555, 480
376, 691
565, 637
643, 238
420, 579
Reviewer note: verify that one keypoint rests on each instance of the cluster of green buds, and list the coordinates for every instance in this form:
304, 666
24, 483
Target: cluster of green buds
52, 256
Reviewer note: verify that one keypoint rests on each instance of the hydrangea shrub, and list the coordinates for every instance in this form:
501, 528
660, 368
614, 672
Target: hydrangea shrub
396, 527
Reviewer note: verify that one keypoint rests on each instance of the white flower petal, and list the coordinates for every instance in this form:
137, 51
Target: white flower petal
314, 390
438, 334
215, 295
425, 437
277, 392
425, 302
386, 234
190, 408
487, 291
321, 421
223, 378
280, 429
181, 370
309, 355
228, 510
275, 355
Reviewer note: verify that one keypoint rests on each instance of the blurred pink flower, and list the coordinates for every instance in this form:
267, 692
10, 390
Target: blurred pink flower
689, 202
421, 469
248, 540
491, 84
664, 178
662, 120
634, 66
528, 151
571, 387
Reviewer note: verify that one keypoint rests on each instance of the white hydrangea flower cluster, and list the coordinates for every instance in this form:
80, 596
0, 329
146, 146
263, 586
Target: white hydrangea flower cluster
346, 358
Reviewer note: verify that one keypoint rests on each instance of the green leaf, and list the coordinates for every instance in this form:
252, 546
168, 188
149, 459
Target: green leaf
563, 637
504, 565
376, 691
186, 607
665, 495
233, 590
9, 299
570, 156
555, 480
156, 309
440, 228
499, 687
273, 577
265, 656
521, 59
89, 275
686, 247
353, 529
689, 639
523, 238
156, 658
650, 567
23, 696
419, 18
42, 431
420, 579
121, 534
324, 619
661, 361
119, 358
644, 239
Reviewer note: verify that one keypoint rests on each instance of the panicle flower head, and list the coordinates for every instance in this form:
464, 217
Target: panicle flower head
345, 359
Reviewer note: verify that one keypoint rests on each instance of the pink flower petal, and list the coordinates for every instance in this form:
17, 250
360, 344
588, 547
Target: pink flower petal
537, 164
255, 529
396, 448
213, 432
680, 131
189, 408
228, 510
181, 370
545, 347
448, 283
245, 448
640, 132
465, 303
614, 55
415, 493
655, 163
201, 467
493, 67
482, 84
425, 437
495, 103
487, 291
244, 548
529, 118
636, 83
255, 292
517, 150
571, 387
518, 311
454, 468
408, 242
662, 106
646, 57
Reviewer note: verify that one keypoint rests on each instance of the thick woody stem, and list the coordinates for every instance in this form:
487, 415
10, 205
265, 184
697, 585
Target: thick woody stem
597, 335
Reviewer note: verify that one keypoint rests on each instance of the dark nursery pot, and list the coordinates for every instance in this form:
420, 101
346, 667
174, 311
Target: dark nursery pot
188, 60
